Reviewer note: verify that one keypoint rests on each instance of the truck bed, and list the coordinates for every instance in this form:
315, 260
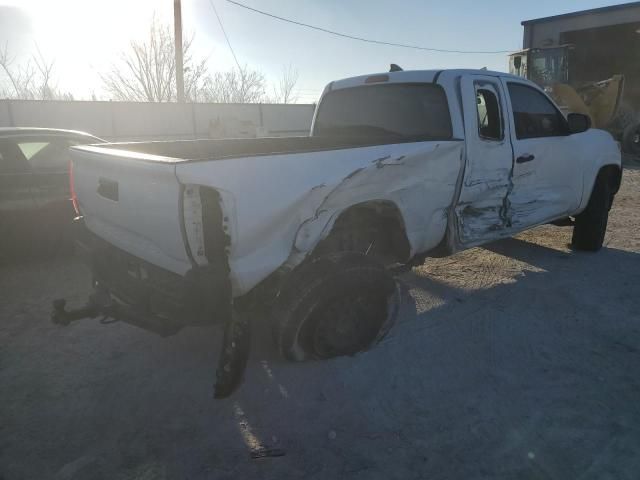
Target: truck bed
206, 149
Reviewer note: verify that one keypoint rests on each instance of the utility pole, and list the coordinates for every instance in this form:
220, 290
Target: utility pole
177, 34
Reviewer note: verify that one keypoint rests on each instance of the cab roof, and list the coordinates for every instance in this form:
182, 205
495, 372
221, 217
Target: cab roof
412, 76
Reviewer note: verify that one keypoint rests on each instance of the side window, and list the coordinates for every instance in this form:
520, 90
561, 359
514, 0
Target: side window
533, 114
47, 156
29, 149
489, 118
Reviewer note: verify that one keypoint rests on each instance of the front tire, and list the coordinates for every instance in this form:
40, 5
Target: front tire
591, 225
335, 305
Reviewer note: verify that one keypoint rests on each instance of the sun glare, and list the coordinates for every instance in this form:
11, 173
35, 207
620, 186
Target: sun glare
84, 37
88, 25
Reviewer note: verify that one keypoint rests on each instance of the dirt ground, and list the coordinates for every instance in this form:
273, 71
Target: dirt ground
519, 360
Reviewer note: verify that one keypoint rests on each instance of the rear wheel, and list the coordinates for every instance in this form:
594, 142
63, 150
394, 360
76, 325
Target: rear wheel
335, 305
591, 224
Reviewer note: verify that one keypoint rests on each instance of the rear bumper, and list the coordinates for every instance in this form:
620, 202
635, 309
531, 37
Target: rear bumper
149, 296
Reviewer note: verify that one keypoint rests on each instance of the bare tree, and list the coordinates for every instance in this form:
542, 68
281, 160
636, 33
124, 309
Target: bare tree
284, 90
146, 72
32, 80
242, 85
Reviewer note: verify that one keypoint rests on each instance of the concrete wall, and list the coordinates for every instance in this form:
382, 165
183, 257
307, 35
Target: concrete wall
123, 121
546, 32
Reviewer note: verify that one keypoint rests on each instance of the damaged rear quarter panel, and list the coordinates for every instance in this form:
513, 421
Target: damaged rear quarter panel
281, 206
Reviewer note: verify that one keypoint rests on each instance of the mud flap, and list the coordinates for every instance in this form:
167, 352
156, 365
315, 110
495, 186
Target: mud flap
234, 354
394, 300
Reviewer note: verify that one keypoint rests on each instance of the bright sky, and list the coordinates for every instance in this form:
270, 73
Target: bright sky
85, 36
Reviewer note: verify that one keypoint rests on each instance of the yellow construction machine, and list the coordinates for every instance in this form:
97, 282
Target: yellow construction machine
602, 100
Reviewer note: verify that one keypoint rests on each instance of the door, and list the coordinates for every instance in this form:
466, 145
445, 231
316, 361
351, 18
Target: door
547, 170
481, 207
17, 201
49, 160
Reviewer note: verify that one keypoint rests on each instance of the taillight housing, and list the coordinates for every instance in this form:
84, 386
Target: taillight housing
205, 224
72, 189
193, 224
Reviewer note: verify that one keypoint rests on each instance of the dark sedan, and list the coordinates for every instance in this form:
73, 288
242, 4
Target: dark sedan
35, 210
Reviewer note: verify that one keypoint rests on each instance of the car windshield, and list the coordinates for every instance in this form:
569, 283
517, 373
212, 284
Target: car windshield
402, 111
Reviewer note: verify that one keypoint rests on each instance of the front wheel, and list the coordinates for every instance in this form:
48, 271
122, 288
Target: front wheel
338, 304
591, 224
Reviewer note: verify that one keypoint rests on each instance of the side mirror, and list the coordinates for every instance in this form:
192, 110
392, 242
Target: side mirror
578, 122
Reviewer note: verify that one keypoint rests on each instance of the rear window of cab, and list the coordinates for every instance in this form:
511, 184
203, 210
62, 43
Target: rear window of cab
406, 112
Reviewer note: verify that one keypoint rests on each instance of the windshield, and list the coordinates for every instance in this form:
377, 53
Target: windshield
404, 111
548, 66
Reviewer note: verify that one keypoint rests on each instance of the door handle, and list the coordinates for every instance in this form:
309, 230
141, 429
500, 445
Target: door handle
108, 189
525, 158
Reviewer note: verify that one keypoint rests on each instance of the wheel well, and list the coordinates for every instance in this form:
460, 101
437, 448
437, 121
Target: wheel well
364, 225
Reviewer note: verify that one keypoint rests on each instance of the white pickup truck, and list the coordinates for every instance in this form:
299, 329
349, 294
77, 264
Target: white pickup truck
398, 166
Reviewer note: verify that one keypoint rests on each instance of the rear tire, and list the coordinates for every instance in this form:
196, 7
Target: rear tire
591, 225
338, 304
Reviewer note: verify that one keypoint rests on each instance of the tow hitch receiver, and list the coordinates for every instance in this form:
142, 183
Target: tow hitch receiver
95, 306
60, 316
100, 304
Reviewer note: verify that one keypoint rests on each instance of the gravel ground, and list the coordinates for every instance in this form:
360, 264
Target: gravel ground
519, 360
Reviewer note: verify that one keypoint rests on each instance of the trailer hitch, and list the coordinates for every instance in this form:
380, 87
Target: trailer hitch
100, 304
96, 305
